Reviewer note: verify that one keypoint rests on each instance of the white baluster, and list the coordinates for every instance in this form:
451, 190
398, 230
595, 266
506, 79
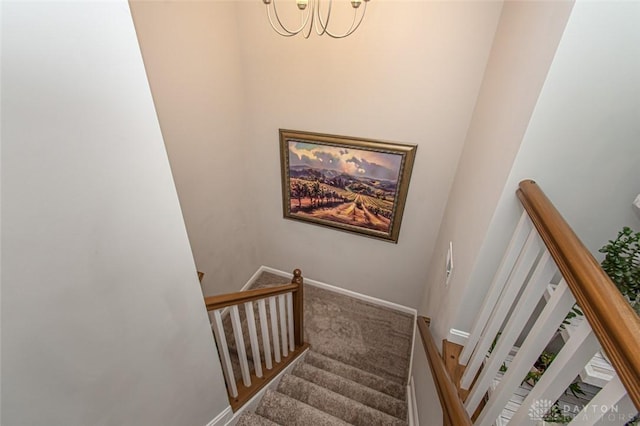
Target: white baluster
545, 326
625, 410
253, 338
500, 278
517, 278
283, 324
578, 350
274, 328
264, 328
242, 353
532, 294
223, 349
607, 401
292, 342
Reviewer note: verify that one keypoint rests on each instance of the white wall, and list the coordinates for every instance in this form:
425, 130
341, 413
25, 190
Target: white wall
526, 39
582, 145
224, 84
192, 58
103, 321
410, 74
428, 401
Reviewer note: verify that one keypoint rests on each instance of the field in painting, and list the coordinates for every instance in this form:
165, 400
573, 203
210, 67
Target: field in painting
342, 198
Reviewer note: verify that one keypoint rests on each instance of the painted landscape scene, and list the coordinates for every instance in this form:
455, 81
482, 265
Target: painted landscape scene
342, 185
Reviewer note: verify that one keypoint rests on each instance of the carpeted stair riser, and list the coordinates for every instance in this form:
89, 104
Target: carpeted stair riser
365, 378
284, 410
252, 419
350, 389
335, 404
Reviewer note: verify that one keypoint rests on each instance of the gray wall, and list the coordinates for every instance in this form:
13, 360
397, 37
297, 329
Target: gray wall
193, 61
582, 145
526, 39
428, 402
103, 321
410, 74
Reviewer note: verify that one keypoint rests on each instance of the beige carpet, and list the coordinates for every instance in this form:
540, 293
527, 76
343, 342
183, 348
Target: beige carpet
355, 373
367, 336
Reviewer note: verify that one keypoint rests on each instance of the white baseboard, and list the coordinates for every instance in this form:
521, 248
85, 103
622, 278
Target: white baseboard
255, 276
252, 404
364, 297
412, 404
222, 418
458, 337
248, 285
413, 344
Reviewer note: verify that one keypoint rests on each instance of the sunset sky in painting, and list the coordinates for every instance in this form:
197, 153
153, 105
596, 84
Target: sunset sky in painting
356, 162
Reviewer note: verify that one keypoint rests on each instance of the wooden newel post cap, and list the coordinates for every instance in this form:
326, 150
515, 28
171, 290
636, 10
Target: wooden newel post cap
297, 276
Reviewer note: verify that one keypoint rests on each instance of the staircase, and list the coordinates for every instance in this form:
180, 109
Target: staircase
546, 270
356, 371
323, 391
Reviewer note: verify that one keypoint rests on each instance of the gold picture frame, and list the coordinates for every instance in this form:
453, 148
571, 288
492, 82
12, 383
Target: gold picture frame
352, 184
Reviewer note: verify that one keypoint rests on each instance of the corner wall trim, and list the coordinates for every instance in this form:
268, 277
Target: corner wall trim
222, 418
247, 286
458, 337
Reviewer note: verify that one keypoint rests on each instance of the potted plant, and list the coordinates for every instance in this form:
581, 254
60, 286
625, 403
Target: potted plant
622, 264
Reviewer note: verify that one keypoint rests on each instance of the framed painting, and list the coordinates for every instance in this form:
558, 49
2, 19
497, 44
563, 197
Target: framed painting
351, 184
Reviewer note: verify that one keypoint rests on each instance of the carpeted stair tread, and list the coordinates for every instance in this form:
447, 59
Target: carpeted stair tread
285, 410
357, 375
253, 419
337, 405
353, 390
356, 332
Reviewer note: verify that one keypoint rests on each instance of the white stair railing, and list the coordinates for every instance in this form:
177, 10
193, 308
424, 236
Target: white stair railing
283, 319
264, 328
562, 371
253, 337
273, 311
221, 340
491, 300
517, 278
545, 271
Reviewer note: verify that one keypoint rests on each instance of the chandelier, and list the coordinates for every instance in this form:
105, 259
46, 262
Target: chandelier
311, 18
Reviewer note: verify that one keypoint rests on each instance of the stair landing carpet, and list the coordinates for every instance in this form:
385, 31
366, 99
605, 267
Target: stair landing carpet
356, 372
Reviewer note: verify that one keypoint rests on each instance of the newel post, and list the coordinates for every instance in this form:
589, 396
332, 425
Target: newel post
298, 308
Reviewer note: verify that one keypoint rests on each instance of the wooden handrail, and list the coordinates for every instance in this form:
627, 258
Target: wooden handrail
612, 319
230, 299
453, 410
